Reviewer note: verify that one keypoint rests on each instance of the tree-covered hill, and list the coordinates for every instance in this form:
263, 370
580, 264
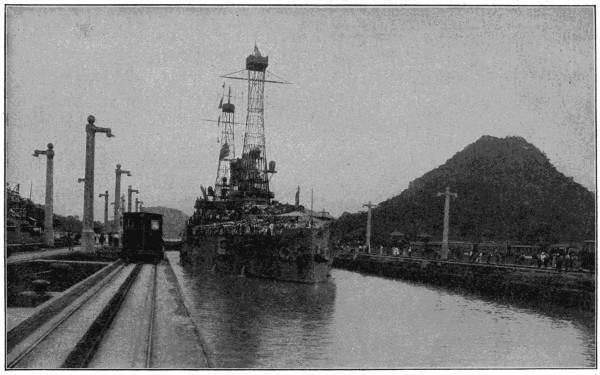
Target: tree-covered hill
173, 220
507, 191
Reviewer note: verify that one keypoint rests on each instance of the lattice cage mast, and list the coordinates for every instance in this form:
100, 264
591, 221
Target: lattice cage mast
249, 175
227, 152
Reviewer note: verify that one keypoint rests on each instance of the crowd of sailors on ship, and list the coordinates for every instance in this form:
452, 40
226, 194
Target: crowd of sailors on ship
252, 219
258, 227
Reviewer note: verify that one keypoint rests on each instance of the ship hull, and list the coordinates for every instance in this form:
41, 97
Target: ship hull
300, 255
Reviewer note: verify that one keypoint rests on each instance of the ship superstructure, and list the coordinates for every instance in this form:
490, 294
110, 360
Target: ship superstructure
238, 227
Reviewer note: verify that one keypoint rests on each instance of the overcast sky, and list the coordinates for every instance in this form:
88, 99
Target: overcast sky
379, 96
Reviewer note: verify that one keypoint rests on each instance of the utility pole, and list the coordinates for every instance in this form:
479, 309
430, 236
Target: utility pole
87, 234
105, 195
369, 225
129, 191
447, 194
48, 224
118, 172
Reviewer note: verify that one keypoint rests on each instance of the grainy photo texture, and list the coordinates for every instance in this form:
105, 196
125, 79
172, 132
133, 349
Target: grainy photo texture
300, 187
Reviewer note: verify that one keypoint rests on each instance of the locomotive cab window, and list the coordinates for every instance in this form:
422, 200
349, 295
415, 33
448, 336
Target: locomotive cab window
155, 225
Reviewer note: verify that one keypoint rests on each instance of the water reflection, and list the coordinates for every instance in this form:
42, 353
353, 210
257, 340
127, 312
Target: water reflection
260, 323
360, 321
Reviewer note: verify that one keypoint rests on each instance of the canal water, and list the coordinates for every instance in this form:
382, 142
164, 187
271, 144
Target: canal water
360, 321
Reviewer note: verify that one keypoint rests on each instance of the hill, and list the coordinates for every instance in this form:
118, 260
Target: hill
507, 191
173, 220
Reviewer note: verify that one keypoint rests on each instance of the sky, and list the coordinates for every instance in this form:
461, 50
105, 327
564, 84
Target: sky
379, 95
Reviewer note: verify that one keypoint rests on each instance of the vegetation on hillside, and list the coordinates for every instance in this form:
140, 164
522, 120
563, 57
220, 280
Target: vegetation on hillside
508, 191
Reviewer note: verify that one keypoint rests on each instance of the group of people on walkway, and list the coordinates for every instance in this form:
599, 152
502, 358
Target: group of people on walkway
111, 239
556, 260
567, 261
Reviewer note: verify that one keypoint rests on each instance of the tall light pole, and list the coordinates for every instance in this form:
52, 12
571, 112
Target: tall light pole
447, 194
48, 225
369, 225
138, 205
129, 191
87, 234
118, 172
105, 195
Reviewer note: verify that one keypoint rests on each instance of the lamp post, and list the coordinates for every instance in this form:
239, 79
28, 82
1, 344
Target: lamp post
105, 195
118, 172
129, 191
87, 234
138, 205
48, 225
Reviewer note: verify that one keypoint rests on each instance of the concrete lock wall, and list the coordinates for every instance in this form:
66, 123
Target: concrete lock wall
568, 289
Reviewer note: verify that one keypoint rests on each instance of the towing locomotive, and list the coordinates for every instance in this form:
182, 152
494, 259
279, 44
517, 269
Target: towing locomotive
142, 237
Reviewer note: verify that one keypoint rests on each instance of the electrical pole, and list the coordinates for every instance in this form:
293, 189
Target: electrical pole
369, 225
48, 224
447, 194
129, 191
87, 234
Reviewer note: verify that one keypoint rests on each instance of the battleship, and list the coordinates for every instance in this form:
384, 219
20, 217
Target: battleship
238, 227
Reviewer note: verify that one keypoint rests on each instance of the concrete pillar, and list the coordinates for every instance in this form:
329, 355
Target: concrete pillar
87, 234
49, 205
105, 195
129, 191
444, 252
117, 217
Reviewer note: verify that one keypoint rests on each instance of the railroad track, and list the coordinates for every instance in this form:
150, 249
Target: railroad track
112, 326
150, 339
129, 342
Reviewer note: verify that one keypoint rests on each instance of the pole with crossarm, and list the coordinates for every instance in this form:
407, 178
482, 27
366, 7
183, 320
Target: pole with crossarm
369, 225
447, 194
